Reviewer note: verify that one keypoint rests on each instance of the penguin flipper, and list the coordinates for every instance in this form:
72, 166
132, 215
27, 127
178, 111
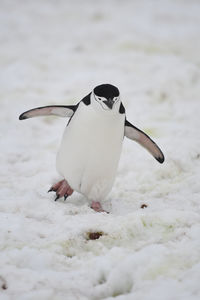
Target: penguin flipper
56, 110
144, 140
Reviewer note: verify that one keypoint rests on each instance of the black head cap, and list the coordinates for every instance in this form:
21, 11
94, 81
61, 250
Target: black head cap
106, 90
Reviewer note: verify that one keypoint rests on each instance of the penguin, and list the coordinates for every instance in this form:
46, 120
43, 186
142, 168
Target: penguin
91, 145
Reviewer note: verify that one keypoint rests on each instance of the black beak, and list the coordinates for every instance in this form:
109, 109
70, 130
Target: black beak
109, 103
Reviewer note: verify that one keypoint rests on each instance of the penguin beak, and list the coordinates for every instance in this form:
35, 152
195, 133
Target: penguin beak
109, 103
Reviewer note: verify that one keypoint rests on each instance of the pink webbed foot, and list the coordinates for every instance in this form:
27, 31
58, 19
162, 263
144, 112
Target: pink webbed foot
97, 207
62, 189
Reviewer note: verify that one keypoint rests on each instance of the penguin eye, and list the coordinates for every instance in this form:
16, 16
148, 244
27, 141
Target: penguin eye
99, 98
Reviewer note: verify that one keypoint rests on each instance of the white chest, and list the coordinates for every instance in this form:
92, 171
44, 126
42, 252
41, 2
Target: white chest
90, 151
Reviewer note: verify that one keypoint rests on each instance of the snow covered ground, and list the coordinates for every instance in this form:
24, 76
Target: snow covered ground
55, 52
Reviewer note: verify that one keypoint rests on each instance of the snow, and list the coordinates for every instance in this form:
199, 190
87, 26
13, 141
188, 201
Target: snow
55, 52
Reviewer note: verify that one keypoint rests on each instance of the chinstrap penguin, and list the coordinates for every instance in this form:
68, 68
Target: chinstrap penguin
92, 142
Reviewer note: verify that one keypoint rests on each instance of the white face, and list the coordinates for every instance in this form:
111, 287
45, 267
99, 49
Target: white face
107, 104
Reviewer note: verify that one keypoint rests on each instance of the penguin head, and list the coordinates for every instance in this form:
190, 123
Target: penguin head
107, 96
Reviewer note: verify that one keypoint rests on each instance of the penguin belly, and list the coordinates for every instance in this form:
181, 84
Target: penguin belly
90, 150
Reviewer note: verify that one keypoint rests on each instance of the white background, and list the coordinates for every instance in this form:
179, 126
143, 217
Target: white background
56, 52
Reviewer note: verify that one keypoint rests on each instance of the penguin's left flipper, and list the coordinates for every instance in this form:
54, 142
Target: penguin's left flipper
144, 140
56, 110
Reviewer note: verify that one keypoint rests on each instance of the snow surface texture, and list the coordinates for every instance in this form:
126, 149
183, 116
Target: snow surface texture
55, 52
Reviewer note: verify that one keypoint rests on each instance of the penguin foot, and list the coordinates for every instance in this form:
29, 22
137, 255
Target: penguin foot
62, 189
56, 186
97, 207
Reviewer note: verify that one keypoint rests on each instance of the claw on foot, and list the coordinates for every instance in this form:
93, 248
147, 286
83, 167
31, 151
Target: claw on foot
57, 197
65, 196
62, 189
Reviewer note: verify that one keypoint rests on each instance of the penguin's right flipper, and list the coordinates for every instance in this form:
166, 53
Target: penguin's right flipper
56, 110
